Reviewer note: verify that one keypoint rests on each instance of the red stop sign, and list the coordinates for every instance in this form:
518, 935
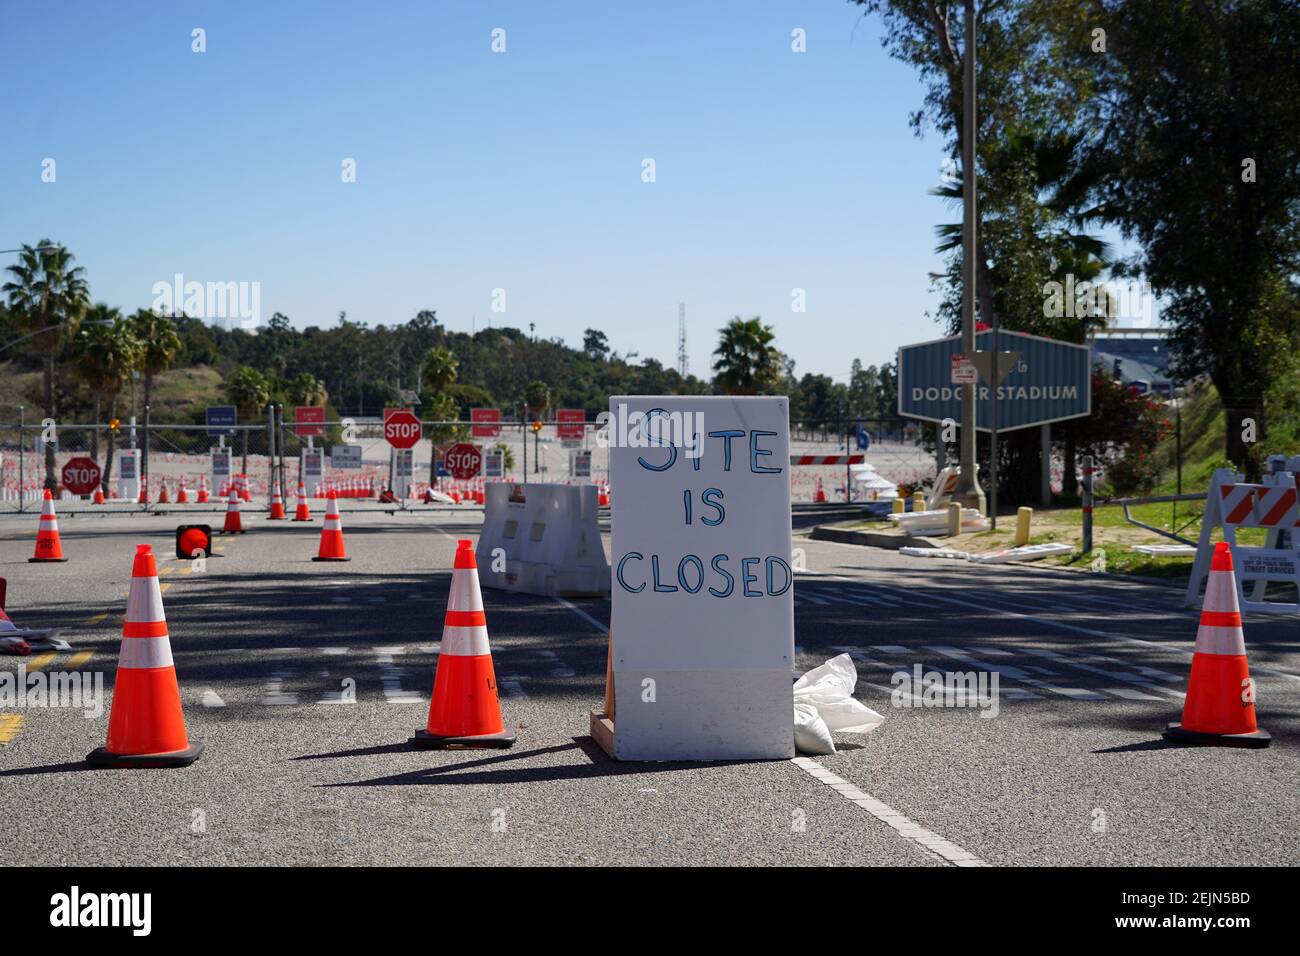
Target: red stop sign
464, 460
81, 476
402, 429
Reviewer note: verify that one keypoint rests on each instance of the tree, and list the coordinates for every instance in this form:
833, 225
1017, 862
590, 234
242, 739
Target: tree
1201, 107
595, 344
50, 294
159, 343
250, 392
537, 398
439, 370
747, 361
107, 352
306, 389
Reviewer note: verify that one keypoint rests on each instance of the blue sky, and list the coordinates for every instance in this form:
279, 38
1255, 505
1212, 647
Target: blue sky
477, 171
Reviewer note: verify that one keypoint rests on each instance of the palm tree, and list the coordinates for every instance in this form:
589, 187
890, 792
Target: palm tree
439, 370
159, 343
250, 392
307, 389
107, 352
1064, 176
50, 294
537, 396
747, 361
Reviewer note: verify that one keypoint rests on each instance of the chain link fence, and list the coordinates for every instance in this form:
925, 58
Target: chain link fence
352, 456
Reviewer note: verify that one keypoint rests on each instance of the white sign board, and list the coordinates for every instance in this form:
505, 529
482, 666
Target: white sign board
220, 464
403, 465
494, 464
312, 466
345, 456
963, 371
580, 464
128, 474
703, 602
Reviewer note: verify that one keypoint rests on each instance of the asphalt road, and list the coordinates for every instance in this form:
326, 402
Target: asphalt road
1071, 771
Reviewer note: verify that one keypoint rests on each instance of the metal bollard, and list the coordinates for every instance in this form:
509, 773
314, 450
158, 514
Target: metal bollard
1087, 470
899, 506
918, 501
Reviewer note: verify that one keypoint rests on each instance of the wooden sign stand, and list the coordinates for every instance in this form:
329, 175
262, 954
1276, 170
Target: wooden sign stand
602, 721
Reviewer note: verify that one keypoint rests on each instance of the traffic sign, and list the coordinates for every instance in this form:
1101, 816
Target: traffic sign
220, 465
963, 371
345, 456
486, 422
221, 420
494, 463
1048, 381
571, 424
309, 421
401, 429
464, 460
81, 476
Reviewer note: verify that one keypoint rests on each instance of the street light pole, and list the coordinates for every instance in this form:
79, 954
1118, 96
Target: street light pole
968, 490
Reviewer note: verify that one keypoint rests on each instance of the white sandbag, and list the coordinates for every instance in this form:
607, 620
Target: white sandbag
823, 704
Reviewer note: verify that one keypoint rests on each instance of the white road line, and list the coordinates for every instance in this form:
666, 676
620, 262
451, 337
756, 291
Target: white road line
1074, 693
929, 842
891, 649
211, 698
583, 614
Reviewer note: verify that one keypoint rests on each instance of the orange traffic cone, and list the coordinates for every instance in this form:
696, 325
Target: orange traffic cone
144, 490
303, 512
465, 710
234, 523
48, 545
99, 496
277, 504
182, 497
203, 490
146, 727
331, 535
244, 491
163, 497
1220, 704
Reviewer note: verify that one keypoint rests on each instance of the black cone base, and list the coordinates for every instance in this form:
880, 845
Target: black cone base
423, 740
101, 758
1196, 738
46, 560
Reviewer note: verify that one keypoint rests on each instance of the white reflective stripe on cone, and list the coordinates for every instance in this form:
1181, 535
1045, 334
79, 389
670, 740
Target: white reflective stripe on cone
47, 509
144, 604
464, 641
1221, 592
142, 652
1213, 639
465, 594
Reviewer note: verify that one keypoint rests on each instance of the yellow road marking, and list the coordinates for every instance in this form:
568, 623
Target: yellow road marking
97, 618
80, 659
188, 569
166, 570
37, 661
164, 587
10, 724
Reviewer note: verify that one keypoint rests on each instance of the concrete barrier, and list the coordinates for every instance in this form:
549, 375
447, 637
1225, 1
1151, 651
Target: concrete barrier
542, 539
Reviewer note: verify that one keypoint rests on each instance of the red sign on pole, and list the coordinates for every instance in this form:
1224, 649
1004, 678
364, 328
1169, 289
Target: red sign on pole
81, 476
309, 421
486, 422
571, 423
401, 429
464, 460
